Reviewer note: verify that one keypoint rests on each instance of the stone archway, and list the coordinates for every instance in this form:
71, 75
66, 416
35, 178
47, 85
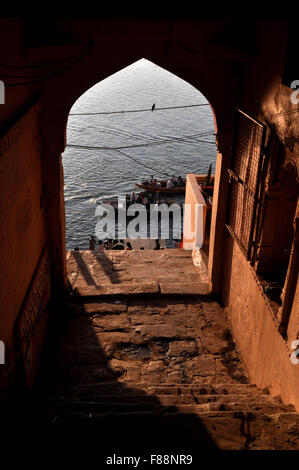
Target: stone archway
100, 113
57, 104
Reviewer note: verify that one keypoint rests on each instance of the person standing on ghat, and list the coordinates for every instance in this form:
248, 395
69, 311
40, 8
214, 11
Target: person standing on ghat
92, 242
157, 244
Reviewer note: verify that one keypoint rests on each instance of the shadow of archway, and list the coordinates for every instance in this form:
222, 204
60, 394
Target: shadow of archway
79, 401
83, 268
107, 266
105, 263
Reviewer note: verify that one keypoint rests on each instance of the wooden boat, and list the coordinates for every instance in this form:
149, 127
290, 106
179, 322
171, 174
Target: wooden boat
175, 189
161, 189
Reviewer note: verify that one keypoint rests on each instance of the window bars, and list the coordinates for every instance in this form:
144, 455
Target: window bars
244, 177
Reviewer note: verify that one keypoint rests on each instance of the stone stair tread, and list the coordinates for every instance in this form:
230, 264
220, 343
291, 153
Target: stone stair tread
206, 430
291, 417
177, 408
161, 366
158, 384
168, 399
118, 289
184, 288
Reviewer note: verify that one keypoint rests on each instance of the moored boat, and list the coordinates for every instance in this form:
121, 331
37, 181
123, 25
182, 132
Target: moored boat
161, 189
161, 186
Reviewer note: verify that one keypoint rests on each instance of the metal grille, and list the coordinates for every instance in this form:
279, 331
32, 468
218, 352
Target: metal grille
247, 153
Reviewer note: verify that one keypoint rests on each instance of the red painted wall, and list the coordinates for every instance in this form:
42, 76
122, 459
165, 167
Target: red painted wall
22, 225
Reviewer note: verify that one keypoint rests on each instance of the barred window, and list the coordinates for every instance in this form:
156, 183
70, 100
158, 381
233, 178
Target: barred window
246, 161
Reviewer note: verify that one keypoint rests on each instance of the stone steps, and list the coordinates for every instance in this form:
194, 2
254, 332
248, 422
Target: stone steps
227, 416
132, 389
111, 397
168, 404
131, 273
173, 428
165, 400
224, 430
156, 372
70, 415
136, 288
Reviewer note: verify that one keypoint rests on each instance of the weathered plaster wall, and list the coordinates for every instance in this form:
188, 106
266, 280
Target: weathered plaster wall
293, 327
264, 352
22, 227
262, 92
263, 95
278, 232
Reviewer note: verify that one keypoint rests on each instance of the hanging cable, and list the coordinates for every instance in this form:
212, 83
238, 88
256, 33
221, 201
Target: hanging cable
118, 132
143, 164
139, 110
89, 147
178, 139
118, 149
150, 139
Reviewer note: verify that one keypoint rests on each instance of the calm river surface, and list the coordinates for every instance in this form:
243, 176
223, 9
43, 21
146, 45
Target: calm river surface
171, 141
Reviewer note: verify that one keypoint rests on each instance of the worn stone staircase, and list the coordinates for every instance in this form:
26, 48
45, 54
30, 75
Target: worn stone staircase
128, 366
222, 416
158, 371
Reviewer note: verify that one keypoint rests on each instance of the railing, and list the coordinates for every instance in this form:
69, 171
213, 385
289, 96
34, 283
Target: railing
195, 211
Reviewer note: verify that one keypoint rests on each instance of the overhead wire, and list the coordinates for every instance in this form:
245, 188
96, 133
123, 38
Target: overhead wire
150, 144
146, 137
119, 150
143, 164
89, 147
139, 110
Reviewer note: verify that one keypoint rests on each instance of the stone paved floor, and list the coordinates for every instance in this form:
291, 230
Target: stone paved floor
143, 356
155, 340
169, 271
156, 371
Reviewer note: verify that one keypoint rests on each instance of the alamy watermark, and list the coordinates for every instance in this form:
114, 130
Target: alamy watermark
2, 353
294, 358
2, 92
295, 95
151, 221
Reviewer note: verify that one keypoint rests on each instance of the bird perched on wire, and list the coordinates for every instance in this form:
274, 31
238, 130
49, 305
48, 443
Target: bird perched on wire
153, 107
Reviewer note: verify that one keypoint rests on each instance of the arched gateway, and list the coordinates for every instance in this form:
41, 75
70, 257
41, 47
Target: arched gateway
243, 69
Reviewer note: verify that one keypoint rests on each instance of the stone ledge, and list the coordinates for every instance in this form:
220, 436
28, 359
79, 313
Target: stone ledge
116, 289
184, 288
111, 308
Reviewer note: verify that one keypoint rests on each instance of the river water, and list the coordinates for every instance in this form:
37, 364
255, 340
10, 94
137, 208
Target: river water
171, 141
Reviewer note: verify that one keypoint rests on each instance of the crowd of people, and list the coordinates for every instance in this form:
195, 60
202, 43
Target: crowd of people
108, 244
139, 198
134, 198
170, 183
